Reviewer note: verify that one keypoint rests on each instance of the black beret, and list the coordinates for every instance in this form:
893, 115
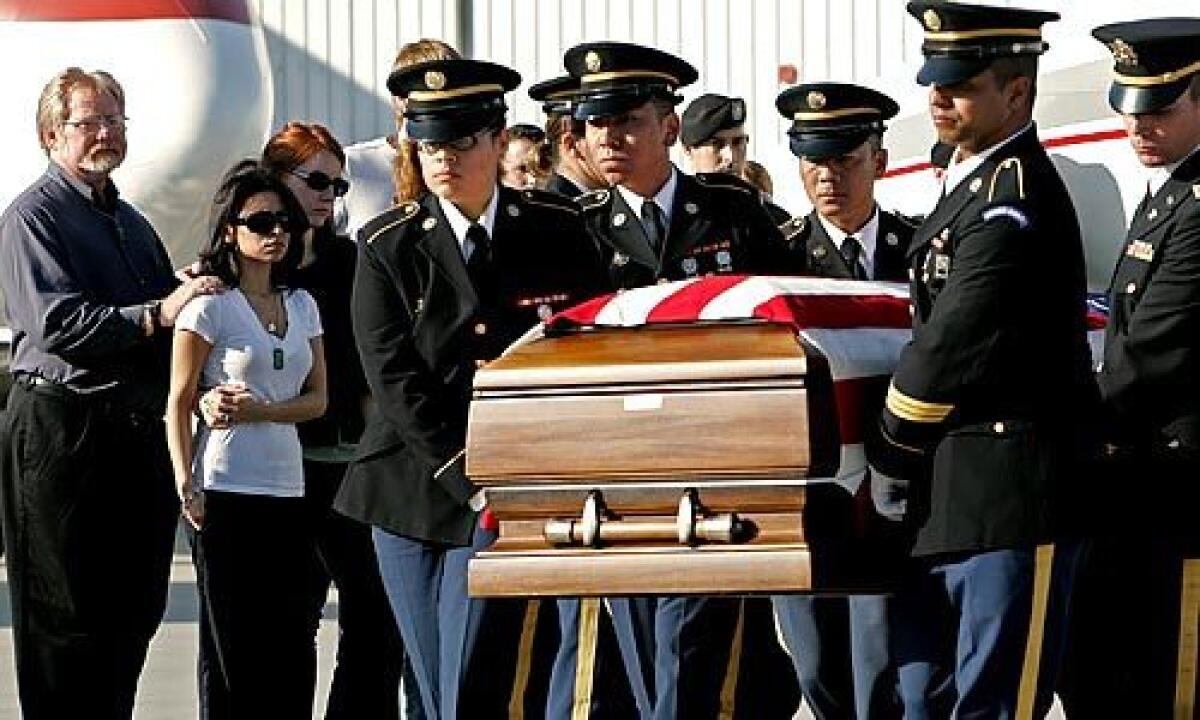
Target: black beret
962, 40
449, 99
1153, 61
831, 119
616, 77
709, 114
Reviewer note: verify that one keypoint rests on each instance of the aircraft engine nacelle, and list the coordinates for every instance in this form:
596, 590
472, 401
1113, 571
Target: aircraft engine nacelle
198, 94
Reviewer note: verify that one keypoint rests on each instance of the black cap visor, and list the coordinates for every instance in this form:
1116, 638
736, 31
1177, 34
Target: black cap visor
618, 100
443, 126
951, 70
824, 145
1134, 100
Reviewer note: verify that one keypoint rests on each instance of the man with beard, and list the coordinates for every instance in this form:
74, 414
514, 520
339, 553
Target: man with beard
89, 505
654, 224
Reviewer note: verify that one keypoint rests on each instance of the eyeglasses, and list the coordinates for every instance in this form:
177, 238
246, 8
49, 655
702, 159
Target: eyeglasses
320, 182
462, 144
265, 222
92, 125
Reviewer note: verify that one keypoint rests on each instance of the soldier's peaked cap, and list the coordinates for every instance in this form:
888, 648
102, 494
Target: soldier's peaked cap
831, 119
1153, 61
449, 99
616, 77
962, 40
555, 95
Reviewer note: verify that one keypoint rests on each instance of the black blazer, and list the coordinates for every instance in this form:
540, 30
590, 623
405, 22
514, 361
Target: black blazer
718, 225
1151, 375
991, 401
561, 185
422, 329
815, 252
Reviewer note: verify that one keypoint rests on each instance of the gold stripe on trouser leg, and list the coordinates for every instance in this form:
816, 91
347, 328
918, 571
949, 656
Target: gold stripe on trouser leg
729, 687
516, 701
1042, 567
585, 657
1189, 615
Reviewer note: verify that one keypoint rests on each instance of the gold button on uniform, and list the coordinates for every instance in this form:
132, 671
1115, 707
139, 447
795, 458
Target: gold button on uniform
999, 428
480, 328
1131, 288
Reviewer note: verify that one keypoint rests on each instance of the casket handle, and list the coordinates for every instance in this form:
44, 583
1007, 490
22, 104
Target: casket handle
595, 526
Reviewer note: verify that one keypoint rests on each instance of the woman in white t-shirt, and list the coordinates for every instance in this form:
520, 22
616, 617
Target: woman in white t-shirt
241, 478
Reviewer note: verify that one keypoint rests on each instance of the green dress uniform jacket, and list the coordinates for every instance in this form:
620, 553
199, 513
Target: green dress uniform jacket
423, 328
988, 407
718, 225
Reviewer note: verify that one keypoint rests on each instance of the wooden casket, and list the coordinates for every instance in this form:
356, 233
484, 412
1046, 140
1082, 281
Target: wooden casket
662, 459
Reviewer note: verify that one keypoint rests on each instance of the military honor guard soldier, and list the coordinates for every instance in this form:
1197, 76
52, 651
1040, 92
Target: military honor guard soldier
445, 283
574, 174
1134, 648
989, 400
714, 139
654, 224
839, 646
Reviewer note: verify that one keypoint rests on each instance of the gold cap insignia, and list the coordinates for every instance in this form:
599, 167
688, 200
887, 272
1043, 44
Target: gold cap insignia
435, 80
592, 61
933, 21
1122, 52
815, 99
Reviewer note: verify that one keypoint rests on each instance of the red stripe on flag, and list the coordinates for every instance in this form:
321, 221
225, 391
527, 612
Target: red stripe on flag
837, 311
687, 304
582, 314
75, 10
858, 402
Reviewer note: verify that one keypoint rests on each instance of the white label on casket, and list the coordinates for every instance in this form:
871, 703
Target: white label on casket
637, 403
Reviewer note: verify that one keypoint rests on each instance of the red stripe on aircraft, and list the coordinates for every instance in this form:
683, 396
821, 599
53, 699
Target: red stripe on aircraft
1064, 141
75, 10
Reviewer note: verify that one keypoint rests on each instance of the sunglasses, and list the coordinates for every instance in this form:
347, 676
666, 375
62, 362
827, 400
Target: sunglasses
265, 222
321, 182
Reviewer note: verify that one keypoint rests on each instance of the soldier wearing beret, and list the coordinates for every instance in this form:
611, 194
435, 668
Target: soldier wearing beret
444, 283
839, 646
987, 411
1145, 570
654, 224
714, 139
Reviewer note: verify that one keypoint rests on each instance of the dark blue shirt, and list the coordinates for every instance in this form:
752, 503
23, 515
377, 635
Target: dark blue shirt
74, 280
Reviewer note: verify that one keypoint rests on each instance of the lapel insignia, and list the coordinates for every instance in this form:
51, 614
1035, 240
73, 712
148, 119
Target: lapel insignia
619, 259
691, 208
818, 252
725, 261
429, 223
618, 219
420, 305
513, 210
1152, 214
1140, 250
941, 267
690, 266
1170, 200
1196, 191
976, 184
892, 240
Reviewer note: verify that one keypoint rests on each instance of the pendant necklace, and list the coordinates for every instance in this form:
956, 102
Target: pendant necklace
277, 355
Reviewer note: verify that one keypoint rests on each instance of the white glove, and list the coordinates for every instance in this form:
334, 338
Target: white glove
889, 494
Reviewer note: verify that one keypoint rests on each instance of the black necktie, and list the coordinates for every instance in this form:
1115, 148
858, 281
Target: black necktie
851, 250
481, 254
654, 224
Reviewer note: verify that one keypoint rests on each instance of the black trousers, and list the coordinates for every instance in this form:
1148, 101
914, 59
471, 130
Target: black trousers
370, 653
89, 521
254, 565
